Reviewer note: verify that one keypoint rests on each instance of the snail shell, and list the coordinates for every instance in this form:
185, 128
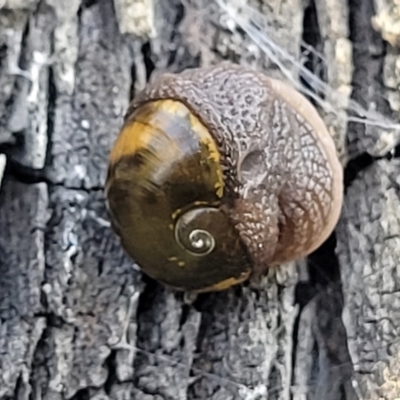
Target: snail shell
219, 173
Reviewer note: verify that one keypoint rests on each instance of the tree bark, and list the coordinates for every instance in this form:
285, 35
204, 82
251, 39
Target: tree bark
78, 320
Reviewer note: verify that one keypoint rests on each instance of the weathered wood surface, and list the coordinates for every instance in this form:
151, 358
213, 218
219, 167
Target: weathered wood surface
78, 320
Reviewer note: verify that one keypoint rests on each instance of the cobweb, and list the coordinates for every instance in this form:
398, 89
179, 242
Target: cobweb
258, 28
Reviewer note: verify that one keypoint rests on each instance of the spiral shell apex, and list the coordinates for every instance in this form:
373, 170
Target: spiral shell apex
165, 192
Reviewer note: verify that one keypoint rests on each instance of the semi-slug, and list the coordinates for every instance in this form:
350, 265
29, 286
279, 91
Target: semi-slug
219, 173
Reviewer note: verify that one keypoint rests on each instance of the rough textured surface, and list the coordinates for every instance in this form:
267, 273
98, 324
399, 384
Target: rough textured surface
135, 17
387, 20
370, 266
268, 138
369, 229
77, 319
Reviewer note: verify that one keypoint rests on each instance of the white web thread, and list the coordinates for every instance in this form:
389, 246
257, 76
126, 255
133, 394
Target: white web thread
256, 27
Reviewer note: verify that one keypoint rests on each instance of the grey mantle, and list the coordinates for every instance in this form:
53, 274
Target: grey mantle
77, 318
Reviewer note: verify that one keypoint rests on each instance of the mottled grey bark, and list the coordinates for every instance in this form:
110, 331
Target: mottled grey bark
77, 318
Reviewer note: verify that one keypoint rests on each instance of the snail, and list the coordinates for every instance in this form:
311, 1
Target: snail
220, 173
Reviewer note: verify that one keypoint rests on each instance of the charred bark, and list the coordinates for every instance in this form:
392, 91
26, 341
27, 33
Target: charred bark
78, 320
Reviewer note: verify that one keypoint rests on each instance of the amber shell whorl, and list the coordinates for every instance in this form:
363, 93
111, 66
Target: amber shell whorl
165, 193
